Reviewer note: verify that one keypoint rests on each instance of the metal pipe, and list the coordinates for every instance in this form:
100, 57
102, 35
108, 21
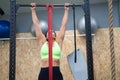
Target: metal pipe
89, 51
55, 5
12, 50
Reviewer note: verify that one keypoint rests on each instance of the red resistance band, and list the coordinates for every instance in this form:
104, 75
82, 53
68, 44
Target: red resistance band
50, 9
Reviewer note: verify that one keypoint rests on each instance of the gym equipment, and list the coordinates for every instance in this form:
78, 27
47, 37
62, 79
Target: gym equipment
79, 68
43, 25
12, 57
111, 36
13, 10
4, 29
81, 25
50, 9
41, 5
88, 41
75, 59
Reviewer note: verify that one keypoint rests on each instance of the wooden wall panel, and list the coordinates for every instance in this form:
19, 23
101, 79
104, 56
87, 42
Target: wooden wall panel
28, 57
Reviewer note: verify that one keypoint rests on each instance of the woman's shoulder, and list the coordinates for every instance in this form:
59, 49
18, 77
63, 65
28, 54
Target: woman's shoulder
59, 43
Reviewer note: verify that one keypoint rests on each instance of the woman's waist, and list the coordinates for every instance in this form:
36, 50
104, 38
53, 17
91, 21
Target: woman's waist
45, 62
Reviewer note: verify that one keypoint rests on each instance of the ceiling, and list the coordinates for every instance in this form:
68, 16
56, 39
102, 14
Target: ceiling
4, 4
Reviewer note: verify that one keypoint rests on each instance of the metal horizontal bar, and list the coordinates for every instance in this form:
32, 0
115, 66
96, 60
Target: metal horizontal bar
28, 5
55, 5
32, 38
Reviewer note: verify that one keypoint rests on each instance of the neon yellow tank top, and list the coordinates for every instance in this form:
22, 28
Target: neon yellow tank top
56, 51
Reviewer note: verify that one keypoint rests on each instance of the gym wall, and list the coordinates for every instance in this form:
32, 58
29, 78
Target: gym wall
28, 56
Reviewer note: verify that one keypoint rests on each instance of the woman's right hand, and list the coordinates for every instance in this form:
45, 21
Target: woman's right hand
66, 6
33, 6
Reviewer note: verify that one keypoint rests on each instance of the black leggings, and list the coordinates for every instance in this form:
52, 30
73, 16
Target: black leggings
44, 74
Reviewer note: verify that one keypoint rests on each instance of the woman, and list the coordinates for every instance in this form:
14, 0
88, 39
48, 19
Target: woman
57, 45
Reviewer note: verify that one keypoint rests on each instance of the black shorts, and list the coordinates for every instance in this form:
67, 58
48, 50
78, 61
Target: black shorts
44, 74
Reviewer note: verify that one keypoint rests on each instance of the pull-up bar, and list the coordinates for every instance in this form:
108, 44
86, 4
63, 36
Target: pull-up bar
55, 5
13, 10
